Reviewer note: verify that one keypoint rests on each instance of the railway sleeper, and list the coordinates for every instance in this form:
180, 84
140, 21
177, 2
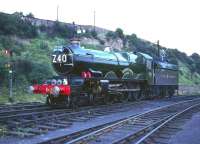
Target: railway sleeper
46, 127
160, 140
20, 133
164, 136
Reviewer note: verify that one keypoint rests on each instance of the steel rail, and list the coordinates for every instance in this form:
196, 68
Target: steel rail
156, 129
87, 137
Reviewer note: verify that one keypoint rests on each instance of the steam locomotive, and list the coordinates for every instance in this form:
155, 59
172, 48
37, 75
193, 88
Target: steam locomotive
92, 76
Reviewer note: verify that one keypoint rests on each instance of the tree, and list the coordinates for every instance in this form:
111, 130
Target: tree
62, 30
132, 40
15, 25
119, 33
30, 15
196, 60
110, 35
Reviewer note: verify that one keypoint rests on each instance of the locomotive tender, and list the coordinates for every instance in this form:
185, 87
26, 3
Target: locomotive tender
92, 76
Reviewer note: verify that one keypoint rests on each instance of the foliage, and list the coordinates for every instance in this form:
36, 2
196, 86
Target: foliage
89, 34
94, 47
94, 34
61, 30
30, 15
119, 33
15, 24
102, 42
132, 40
110, 35
31, 61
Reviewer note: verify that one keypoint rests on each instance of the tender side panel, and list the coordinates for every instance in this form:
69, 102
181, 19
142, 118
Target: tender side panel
166, 77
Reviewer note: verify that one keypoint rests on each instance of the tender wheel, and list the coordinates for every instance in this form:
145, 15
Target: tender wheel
130, 96
163, 92
171, 93
133, 95
136, 96
141, 95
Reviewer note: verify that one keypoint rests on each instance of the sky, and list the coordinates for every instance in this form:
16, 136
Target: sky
176, 23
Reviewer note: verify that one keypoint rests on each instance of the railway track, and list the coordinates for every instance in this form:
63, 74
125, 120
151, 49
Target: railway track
163, 132
6, 110
9, 111
134, 129
20, 106
40, 122
32, 119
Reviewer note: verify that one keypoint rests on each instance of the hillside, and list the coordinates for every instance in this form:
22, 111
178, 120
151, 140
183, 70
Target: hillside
31, 41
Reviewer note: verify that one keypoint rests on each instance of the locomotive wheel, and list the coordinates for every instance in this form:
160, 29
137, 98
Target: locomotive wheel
67, 101
50, 100
91, 98
130, 96
149, 93
163, 92
124, 96
133, 95
74, 102
171, 93
107, 98
142, 94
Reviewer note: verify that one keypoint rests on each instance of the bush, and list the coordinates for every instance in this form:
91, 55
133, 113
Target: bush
40, 72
